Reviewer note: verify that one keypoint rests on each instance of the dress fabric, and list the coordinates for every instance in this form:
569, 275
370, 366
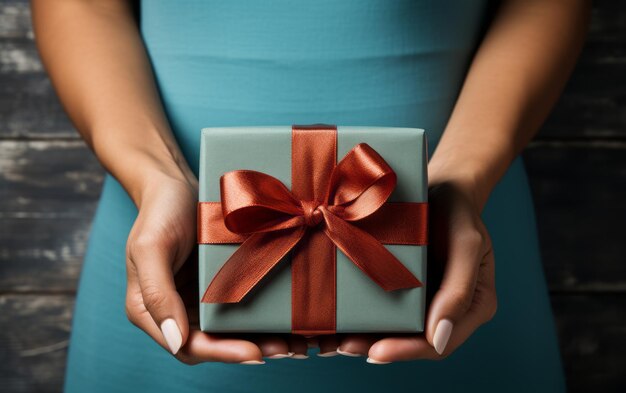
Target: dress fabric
347, 62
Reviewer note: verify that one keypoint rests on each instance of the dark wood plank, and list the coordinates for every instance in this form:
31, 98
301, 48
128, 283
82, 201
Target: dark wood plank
49, 193
48, 179
33, 342
15, 19
592, 105
29, 107
19, 55
28, 104
591, 330
593, 102
40, 255
579, 192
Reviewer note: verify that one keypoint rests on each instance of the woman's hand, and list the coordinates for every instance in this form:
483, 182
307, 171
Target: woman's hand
515, 77
161, 240
460, 272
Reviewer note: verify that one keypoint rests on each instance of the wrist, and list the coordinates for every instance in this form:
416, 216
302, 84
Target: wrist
145, 168
472, 163
467, 179
160, 173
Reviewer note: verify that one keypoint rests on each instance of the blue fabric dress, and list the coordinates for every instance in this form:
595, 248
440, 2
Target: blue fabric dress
348, 62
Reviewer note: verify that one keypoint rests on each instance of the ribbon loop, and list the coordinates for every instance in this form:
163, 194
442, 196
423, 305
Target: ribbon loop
360, 183
257, 202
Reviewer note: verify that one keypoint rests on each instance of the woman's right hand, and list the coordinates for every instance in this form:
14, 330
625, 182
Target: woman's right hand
160, 242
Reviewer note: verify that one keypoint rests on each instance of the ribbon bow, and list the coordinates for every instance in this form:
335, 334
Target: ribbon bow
350, 212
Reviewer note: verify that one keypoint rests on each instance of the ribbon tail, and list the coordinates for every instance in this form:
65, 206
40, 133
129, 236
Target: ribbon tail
369, 254
256, 256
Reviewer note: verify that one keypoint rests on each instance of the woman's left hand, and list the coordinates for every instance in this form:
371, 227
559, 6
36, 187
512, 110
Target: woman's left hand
461, 261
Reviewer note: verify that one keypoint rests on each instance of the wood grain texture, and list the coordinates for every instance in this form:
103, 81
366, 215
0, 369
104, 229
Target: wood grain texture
591, 331
580, 193
594, 101
29, 107
28, 104
15, 19
41, 255
49, 192
33, 342
48, 179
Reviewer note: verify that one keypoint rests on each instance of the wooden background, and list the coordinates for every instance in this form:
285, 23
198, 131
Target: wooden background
50, 182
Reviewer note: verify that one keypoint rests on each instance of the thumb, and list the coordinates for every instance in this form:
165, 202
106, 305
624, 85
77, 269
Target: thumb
155, 276
454, 297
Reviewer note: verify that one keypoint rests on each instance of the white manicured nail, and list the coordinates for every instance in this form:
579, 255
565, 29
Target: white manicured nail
172, 335
281, 355
252, 362
300, 356
346, 353
442, 335
328, 354
374, 361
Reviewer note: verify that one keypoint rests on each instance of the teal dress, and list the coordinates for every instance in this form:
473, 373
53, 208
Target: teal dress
348, 62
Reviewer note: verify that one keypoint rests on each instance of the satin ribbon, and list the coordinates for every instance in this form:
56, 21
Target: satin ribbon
329, 205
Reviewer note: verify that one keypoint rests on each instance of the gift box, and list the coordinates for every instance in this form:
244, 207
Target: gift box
312, 229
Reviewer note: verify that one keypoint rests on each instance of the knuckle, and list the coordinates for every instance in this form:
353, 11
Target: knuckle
141, 243
133, 307
153, 296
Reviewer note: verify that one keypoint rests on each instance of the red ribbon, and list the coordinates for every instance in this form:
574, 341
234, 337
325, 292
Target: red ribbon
330, 205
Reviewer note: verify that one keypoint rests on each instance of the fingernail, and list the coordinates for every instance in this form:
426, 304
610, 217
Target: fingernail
328, 354
442, 335
346, 353
300, 356
281, 355
374, 361
252, 362
172, 335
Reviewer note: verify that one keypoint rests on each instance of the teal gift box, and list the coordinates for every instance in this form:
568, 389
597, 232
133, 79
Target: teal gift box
240, 172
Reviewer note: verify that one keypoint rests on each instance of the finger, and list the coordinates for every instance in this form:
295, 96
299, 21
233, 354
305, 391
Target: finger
481, 310
199, 347
357, 344
393, 349
139, 316
272, 346
328, 344
454, 296
204, 347
298, 345
156, 280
